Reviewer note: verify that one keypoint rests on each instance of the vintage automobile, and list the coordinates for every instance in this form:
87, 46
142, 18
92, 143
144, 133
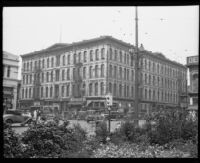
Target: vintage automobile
12, 116
94, 118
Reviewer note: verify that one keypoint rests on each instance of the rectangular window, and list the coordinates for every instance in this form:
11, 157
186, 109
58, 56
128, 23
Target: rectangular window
58, 60
8, 72
57, 75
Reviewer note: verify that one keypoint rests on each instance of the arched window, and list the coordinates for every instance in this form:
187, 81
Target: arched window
42, 77
29, 92
74, 75
149, 65
31, 66
110, 71
120, 90
47, 76
91, 55
43, 63
68, 59
149, 94
115, 55
97, 54
41, 92
67, 90
110, 87
127, 74
30, 79
103, 53
47, 92
52, 62
132, 71
22, 93
68, 75
158, 81
120, 73
63, 74
28, 66
145, 94
35, 64
127, 91
158, 68
63, 91
102, 70
26, 92
154, 80
47, 62
115, 72
96, 89
124, 73
154, 67
149, 79
111, 54
132, 91
40, 64
90, 89
51, 91
154, 95
96, 71
90, 72
52, 76
102, 88
24, 67
75, 58
127, 59
115, 90
120, 53
63, 60
84, 72
85, 56
79, 57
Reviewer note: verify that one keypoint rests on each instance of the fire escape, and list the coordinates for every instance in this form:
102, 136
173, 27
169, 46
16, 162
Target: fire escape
182, 93
37, 83
77, 79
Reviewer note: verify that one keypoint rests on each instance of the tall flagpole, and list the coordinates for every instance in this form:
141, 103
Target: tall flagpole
136, 69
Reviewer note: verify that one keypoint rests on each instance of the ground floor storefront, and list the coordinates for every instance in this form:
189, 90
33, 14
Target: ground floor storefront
73, 108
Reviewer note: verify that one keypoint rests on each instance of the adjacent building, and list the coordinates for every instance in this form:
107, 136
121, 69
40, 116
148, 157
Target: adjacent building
10, 80
193, 65
80, 74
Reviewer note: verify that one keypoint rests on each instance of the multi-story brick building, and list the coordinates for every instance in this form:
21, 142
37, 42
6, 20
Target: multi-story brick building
193, 65
10, 80
90, 69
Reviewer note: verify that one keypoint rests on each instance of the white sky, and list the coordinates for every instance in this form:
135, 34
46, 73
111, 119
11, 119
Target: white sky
172, 31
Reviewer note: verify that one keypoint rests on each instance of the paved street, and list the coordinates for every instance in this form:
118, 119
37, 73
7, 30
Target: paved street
89, 127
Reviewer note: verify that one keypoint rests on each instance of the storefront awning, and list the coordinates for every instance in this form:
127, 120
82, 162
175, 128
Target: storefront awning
76, 103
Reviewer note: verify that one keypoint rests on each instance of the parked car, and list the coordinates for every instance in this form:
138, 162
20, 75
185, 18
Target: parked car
12, 116
94, 118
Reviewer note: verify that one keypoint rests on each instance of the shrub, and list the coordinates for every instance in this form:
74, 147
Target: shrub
102, 132
12, 145
129, 132
51, 140
171, 125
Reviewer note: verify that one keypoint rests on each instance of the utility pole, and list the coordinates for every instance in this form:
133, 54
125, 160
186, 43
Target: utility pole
136, 69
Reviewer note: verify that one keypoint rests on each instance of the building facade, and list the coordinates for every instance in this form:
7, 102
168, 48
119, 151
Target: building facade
193, 65
86, 71
10, 80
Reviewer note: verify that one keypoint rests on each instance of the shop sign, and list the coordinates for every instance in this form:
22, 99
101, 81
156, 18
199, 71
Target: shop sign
193, 60
77, 99
37, 103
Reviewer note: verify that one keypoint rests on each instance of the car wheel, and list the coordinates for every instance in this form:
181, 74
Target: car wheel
9, 121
